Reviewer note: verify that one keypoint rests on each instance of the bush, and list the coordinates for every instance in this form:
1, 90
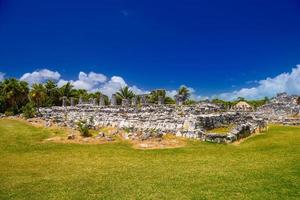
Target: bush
84, 129
29, 110
8, 113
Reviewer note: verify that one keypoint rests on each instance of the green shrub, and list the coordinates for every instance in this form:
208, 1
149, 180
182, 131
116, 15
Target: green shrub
84, 129
128, 129
8, 113
29, 110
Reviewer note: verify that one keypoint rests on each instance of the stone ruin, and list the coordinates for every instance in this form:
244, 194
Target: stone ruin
146, 120
282, 109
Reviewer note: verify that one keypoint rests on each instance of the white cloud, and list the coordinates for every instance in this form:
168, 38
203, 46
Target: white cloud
285, 82
40, 76
138, 91
85, 81
171, 93
94, 82
113, 85
2, 76
62, 82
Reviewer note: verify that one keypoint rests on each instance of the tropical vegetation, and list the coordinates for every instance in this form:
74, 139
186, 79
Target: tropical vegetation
17, 96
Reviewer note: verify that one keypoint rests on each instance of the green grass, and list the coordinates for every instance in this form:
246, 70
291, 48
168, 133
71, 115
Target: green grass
221, 130
265, 166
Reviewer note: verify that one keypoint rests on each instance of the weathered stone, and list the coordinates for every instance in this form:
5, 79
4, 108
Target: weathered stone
109, 139
71, 137
161, 100
145, 135
72, 102
102, 101
185, 121
134, 101
179, 100
101, 135
113, 100
94, 102
144, 100
80, 101
64, 101
125, 102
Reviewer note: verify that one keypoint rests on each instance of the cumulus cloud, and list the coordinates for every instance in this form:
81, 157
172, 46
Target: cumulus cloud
86, 81
285, 82
113, 85
94, 82
2, 76
40, 76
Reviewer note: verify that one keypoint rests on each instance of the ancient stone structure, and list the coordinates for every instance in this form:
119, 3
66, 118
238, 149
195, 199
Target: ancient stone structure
64, 101
179, 100
94, 102
126, 102
182, 121
161, 100
187, 121
80, 101
102, 101
134, 101
281, 109
72, 102
113, 100
144, 100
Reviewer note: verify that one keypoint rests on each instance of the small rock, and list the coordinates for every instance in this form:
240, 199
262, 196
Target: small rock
146, 135
115, 132
101, 135
144, 145
109, 139
71, 137
159, 134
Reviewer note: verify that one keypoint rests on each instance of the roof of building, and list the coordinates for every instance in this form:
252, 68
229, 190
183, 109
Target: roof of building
243, 104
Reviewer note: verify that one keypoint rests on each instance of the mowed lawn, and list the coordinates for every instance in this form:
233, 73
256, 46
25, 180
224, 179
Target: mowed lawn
265, 166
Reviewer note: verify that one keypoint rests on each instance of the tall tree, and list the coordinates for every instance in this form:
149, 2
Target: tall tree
185, 92
125, 93
14, 93
53, 95
38, 94
169, 100
66, 90
153, 97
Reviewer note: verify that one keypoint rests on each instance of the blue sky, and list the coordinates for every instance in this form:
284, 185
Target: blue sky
212, 46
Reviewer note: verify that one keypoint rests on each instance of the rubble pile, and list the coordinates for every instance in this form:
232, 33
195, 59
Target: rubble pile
282, 109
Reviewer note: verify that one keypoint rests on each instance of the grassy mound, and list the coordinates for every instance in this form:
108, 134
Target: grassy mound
265, 166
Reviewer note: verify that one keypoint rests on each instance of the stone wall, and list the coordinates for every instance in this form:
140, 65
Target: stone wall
282, 109
238, 132
184, 121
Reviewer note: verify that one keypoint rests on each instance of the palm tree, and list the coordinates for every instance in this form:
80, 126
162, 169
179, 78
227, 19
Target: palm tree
53, 95
66, 90
38, 94
155, 94
125, 93
184, 92
15, 94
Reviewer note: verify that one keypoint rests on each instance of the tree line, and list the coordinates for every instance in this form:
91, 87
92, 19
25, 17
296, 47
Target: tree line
17, 96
